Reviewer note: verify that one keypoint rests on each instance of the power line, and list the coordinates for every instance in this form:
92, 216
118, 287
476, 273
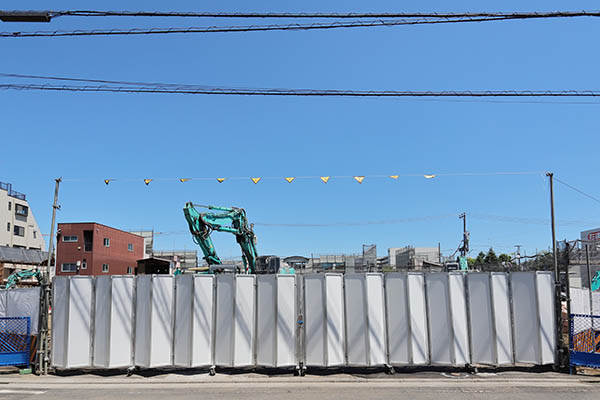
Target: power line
301, 92
515, 15
247, 28
577, 190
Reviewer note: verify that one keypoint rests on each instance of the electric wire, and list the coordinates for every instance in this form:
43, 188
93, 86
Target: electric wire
308, 15
301, 92
577, 190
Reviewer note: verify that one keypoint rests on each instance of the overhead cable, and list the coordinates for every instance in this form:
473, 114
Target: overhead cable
299, 92
577, 190
307, 15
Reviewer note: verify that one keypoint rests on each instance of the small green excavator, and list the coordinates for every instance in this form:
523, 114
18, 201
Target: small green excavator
230, 219
17, 276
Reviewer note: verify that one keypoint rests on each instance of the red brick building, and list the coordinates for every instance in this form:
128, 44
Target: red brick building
88, 248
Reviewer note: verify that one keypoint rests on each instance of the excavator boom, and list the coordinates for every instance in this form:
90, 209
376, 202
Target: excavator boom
228, 219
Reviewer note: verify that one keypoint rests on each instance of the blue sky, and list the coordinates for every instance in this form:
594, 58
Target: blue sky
90, 137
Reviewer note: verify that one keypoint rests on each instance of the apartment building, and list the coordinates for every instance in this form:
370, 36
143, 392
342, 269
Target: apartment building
18, 227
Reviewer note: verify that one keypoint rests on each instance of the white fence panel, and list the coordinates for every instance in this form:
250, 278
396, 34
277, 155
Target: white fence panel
419, 334
480, 314
266, 340
324, 307
287, 355
356, 319
243, 346
502, 318
545, 293
398, 333
314, 320
460, 325
72, 322
525, 313
440, 325
113, 322
276, 319
224, 320
376, 319
194, 320
23, 302
154, 321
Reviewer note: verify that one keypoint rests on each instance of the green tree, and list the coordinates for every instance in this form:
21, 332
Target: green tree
480, 260
504, 257
471, 261
491, 257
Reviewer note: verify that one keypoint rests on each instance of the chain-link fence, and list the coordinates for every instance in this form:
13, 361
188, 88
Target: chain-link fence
15, 341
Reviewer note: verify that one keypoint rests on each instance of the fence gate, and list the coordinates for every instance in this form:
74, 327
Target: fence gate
15, 341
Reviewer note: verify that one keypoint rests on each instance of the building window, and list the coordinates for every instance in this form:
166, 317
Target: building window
21, 210
106, 242
104, 267
84, 264
9, 206
19, 231
34, 234
68, 267
72, 238
130, 247
129, 270
8, 227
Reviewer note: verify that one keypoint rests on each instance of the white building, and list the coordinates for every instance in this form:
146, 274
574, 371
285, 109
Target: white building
412, 257
17, 223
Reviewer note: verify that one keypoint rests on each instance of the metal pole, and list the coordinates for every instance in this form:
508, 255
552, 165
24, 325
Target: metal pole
43, 339
587, 262
558, 304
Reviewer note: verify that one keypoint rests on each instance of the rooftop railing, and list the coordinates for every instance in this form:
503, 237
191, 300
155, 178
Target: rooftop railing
12, 193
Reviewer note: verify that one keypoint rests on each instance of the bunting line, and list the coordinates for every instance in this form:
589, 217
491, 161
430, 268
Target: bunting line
323, 178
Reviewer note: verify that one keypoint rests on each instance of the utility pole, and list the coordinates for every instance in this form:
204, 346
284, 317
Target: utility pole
557, 296
518, 246
43, 340
465, 247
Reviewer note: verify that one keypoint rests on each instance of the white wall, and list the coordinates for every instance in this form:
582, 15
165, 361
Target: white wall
33, 237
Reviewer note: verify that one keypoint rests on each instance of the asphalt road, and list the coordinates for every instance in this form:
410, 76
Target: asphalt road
252, 386
309, 392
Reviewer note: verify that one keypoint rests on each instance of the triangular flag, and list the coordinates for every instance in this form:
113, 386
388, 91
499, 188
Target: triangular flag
147, 181
183, 179
429, 176
359, 179
107, 181
221, 180
256, 180
290, 179
325, 179
394, 176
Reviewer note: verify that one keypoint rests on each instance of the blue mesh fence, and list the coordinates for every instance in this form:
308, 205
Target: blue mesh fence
15, 341
585, 340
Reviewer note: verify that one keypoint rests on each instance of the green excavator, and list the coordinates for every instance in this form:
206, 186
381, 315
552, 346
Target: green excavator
17, 276
229, 219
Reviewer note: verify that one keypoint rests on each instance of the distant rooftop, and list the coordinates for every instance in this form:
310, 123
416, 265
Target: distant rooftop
12, 193
22, 256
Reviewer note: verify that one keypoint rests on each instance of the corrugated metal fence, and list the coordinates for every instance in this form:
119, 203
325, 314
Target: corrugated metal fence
320, 320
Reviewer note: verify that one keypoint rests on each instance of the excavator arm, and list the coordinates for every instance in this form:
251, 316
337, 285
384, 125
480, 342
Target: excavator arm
228, 219
17, 276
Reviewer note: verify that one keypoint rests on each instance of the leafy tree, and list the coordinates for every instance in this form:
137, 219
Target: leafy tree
491, 257
504, 257
480, 260
471, 262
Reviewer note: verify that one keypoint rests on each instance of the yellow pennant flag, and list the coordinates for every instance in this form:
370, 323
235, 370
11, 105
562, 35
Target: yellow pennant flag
429, 176
221, 180
147, 181
256, 180
183, 179
107, 181
359, 179
290, 179
394, 176
325, 179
